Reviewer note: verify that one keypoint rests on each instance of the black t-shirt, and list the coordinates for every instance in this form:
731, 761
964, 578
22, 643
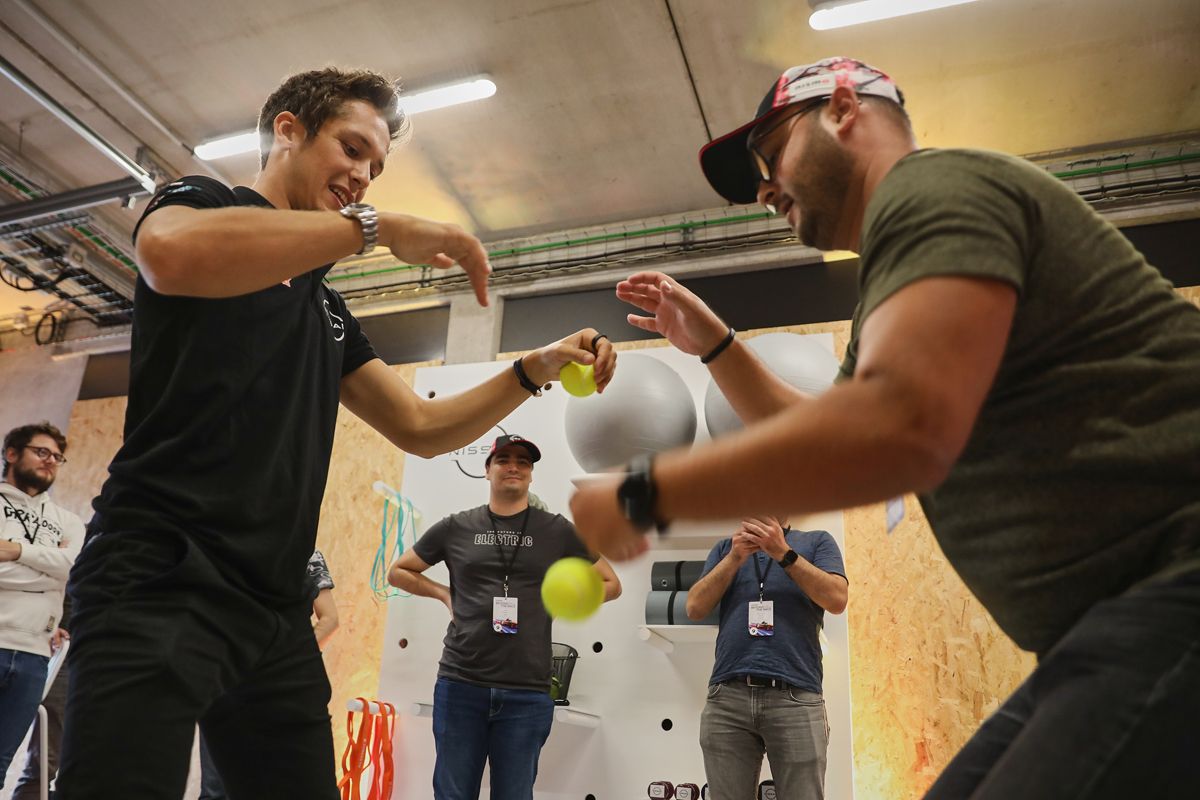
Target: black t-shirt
232, 407
475, 550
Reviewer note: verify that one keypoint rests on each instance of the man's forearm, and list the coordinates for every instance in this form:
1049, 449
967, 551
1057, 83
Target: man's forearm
10, 551
226, 252
753, 391
856, 444
53, 561
459, 419
323, 630
428, 427
22, 578
707, 592
418, 584
823, 588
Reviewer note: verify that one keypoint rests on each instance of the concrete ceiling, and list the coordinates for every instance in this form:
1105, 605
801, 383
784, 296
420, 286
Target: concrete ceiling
601, 104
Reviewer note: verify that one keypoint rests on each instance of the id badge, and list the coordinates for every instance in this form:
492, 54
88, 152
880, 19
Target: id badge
762, 618
504, 615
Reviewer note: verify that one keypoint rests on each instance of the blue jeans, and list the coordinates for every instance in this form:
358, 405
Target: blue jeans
473, 725
741, 723
1110, 712
22, 681
29, 785
211, 785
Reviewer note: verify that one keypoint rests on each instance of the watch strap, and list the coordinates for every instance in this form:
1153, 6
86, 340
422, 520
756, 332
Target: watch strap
638, 494
368, 219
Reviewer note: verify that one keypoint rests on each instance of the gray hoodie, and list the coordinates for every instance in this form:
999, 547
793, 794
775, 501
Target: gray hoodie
31, 588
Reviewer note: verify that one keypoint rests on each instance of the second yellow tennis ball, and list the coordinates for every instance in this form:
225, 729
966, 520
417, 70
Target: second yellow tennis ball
572, 589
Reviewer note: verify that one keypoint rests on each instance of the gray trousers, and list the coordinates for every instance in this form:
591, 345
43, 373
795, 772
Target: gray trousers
740, 723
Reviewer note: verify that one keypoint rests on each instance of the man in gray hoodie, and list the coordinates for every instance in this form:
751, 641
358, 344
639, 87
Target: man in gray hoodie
38, 544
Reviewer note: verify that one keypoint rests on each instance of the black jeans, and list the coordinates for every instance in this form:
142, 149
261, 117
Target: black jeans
161, 641
1110, 712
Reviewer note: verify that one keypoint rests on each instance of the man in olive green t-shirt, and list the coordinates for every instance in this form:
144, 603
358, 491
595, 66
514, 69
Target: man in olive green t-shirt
1015, 362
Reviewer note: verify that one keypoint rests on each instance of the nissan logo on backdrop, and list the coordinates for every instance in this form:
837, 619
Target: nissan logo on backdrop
469, 459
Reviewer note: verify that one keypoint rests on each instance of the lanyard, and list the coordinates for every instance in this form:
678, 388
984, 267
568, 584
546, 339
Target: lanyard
507, 563
29, 537
761, 573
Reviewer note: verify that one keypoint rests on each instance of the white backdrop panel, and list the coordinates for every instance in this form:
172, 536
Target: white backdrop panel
634, 687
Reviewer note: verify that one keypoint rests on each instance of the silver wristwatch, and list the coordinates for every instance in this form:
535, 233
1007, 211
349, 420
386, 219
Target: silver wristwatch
368, 218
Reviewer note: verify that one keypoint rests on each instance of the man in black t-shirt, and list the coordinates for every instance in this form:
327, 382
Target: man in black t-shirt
497, 646
189, 600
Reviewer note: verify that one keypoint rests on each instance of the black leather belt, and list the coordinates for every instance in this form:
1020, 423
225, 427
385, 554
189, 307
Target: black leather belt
760, 681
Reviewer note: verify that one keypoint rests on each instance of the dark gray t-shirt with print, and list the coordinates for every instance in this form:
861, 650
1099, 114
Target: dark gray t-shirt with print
476, 546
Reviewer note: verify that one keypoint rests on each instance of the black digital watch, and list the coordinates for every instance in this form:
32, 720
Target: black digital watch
638, 494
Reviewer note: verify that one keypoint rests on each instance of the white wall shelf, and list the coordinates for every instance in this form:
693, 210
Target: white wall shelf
665, 637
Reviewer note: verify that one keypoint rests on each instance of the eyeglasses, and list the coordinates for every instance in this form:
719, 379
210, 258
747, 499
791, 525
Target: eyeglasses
45, 454
766, 166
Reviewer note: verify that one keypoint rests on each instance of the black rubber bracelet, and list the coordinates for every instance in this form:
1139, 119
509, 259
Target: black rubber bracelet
716, 351
523, 378
596, 340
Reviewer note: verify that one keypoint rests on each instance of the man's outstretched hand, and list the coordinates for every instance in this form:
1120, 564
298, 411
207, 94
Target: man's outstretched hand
675, 312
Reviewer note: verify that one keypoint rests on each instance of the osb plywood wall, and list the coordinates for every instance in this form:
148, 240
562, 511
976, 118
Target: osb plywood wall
927, 663
349, 536
93, 438
1192, 293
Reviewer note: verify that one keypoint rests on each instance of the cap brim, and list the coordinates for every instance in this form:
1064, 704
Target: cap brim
535, 455
727, 164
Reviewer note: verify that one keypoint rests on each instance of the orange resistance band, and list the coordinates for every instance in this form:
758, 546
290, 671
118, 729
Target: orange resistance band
371, 748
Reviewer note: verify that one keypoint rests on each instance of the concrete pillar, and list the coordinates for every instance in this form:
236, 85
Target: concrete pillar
473, 334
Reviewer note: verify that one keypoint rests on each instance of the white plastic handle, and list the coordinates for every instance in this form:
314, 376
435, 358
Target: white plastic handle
356, 705
386, 491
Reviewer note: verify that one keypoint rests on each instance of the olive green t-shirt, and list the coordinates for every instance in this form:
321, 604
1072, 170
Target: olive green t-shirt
1082, 474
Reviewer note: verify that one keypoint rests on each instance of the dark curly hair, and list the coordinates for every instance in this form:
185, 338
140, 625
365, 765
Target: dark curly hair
19, 438
317, 95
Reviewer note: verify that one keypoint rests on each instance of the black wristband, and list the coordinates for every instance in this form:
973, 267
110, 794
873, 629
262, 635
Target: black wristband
523, 378
596, 340
716, 351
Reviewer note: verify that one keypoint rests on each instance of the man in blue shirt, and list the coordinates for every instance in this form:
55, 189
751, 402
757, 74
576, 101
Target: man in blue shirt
774, 585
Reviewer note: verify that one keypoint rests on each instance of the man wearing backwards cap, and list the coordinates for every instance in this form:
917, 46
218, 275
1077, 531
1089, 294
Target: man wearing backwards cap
492, 699
1015, 362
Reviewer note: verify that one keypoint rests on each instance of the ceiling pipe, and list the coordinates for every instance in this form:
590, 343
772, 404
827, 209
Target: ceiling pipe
71, 200
110, 80
74, 123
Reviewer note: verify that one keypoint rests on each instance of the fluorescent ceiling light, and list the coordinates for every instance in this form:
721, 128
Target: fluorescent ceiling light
843, 13
443, 96
228, 146
439, 97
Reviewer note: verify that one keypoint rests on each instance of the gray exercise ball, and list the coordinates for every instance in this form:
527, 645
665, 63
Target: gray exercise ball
646, 408
801, 361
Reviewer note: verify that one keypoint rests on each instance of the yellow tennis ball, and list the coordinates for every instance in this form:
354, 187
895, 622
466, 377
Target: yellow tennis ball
577, 379
572, 589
